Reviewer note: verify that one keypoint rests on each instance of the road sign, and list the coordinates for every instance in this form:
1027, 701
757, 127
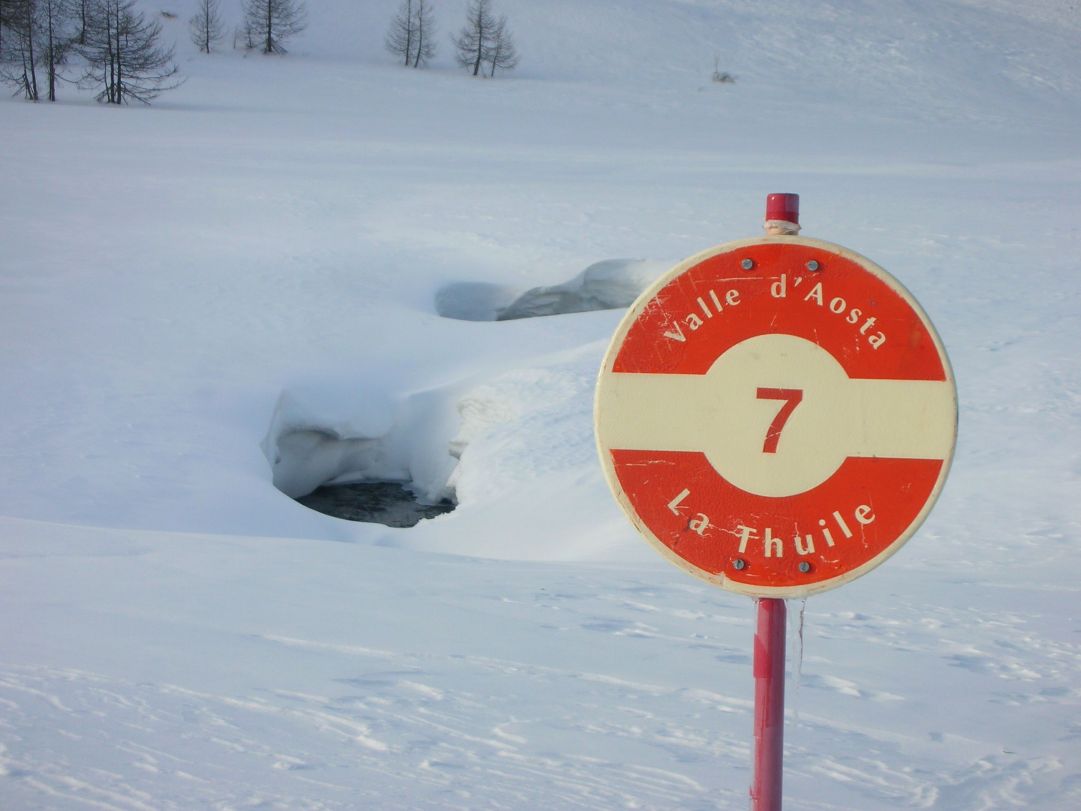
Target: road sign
776, 415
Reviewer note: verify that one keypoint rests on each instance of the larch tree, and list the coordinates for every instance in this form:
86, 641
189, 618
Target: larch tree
53, 23
206, 25
412, 33
19, 57
8, 13
271, 22
484, 40
7, 7
81, 10
124, 56
38, 35
501, 51
401, 36
472, 41
425, 25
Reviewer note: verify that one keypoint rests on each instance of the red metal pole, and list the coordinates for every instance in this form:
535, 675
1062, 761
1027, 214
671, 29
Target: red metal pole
769, 654
782, 217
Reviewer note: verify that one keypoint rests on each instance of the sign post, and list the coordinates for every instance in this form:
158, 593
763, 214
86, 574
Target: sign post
777, 417
769, 656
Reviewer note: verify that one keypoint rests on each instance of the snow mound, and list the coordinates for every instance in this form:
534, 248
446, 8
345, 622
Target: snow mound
608, 285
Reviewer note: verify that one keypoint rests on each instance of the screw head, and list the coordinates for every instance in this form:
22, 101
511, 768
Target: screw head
804, 566
739, 564
813, 265
747, 264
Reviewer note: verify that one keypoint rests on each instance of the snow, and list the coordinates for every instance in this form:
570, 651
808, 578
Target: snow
288, 270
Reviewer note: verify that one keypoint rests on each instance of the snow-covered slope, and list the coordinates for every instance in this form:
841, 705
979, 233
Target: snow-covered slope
248, 283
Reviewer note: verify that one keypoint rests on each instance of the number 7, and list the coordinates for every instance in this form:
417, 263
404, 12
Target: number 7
792, 398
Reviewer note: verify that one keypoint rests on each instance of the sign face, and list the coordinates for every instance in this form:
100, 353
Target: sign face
776, 416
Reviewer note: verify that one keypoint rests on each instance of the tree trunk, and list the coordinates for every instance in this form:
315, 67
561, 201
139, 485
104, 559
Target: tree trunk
30, 57
50, 12
119, 61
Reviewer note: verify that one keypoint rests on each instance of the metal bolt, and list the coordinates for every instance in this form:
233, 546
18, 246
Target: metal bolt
739, 564
747, 264
804, 566
813, 265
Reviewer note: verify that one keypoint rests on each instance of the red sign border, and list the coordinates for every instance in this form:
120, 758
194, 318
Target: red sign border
616, 345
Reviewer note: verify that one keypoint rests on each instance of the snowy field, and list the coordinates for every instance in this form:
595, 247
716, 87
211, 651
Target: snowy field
288, 270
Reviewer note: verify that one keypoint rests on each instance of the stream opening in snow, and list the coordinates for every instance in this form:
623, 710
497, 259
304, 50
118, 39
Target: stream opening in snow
364, 456
376, 502
612, 284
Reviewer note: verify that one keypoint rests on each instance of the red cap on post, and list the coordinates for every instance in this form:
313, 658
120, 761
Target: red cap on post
783, 207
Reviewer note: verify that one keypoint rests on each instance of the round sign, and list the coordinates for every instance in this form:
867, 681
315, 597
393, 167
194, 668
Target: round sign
776, 415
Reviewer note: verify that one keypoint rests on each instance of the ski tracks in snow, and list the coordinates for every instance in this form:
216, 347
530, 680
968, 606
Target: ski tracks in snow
386, 738
454, 683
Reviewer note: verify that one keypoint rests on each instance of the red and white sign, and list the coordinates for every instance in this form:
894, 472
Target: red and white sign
776, 415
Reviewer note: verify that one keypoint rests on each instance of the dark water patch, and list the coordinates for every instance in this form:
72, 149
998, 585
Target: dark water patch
391, 503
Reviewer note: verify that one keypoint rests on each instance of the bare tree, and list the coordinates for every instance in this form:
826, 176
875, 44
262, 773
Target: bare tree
53, 22
18, 61
81, 10
206, 25
124, 56
425, 27
401, 36
37, 37
411, 35
501, 52
484, 40
243, 36
472, 41
9, 15
271, 22
7, 11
